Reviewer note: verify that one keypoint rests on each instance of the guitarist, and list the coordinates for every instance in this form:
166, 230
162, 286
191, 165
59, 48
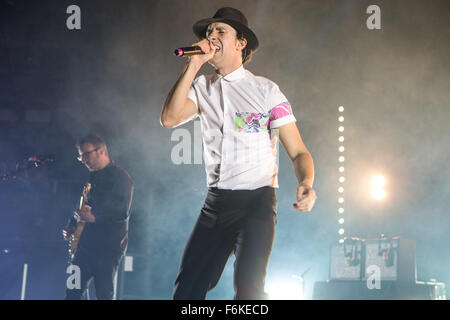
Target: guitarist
103, 241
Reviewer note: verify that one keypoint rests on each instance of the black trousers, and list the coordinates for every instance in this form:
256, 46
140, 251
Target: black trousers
231, 221
101, 268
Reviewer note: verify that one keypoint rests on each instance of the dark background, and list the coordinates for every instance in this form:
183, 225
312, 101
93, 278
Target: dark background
113, 75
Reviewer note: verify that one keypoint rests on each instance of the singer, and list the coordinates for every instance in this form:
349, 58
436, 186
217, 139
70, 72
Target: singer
237, 111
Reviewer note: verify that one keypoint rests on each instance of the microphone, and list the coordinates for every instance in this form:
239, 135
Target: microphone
188, 51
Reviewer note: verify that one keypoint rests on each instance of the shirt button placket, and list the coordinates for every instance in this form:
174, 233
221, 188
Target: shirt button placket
225, 127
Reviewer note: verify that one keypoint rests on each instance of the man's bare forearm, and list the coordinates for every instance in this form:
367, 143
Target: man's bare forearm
304, 168
172, 112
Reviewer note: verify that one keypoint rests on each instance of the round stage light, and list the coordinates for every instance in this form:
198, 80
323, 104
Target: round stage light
378, 181
285, 290
378, 194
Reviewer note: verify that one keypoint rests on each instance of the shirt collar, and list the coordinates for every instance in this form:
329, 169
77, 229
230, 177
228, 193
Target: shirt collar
237, 74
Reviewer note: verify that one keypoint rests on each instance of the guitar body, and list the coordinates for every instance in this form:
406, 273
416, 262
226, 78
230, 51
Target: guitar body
73, 244
76, 237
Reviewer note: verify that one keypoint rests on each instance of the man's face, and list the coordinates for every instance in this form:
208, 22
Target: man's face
224, 38
91, 156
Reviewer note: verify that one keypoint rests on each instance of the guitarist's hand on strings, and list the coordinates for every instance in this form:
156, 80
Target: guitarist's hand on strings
67, 232
84, 214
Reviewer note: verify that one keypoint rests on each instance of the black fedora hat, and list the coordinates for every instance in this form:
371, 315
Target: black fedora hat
234, 18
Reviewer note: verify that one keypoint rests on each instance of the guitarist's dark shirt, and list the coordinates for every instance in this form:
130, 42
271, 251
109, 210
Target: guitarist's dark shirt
110, 198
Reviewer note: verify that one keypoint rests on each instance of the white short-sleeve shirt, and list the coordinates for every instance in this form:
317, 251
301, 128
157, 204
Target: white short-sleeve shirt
238, 113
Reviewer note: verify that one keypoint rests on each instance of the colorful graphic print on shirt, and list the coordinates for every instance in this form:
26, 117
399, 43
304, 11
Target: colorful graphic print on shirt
251, 121
257, 122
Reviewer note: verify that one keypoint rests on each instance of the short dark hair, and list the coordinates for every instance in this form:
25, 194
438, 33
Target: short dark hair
246, 53
93, 139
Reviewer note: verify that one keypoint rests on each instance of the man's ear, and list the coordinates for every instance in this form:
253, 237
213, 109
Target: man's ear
102, 150
242, 43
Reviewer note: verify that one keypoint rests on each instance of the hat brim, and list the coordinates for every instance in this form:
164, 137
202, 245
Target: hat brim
200, 30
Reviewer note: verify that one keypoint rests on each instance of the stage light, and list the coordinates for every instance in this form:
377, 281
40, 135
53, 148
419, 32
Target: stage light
378, 194
286, 290
128, 263
378, 181
341, 169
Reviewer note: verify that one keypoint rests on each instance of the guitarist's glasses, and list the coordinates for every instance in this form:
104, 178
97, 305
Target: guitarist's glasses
84, 154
